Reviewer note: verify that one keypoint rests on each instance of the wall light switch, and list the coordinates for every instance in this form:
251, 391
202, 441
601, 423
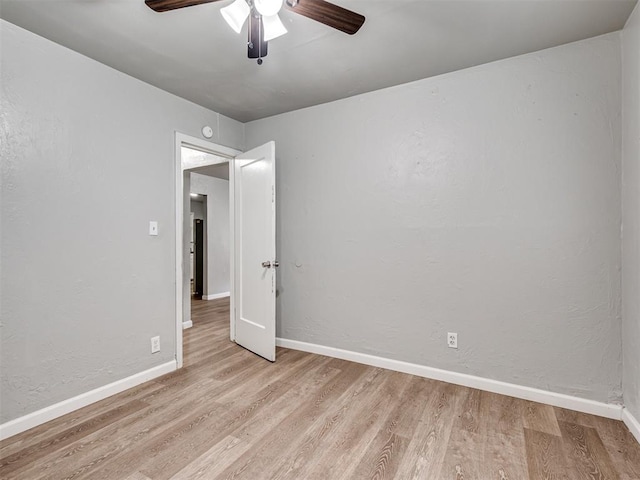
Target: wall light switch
153, 228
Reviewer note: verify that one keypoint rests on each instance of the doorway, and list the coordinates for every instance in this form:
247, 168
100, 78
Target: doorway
196, 155
252, 240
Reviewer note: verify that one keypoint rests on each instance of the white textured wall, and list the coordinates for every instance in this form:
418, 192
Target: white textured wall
218, 251
484, 202
87, 160
631, 211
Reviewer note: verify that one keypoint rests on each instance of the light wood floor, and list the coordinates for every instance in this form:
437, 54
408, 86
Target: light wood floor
231, 415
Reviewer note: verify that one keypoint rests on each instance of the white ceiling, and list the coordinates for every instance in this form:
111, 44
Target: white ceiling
192, 52
219, 170
218, 167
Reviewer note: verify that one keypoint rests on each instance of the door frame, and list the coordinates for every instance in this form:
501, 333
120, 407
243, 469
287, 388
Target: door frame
225, 154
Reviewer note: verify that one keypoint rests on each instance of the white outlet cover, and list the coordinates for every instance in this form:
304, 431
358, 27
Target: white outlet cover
153, 228
155, 344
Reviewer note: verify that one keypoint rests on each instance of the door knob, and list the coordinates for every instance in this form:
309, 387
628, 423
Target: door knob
275, 264
266, 264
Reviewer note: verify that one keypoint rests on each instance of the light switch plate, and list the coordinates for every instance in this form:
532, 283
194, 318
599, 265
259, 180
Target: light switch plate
153, 228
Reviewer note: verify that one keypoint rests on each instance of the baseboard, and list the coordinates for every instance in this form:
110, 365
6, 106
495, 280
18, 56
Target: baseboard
187, 324
513, 390
215, 296
632, 423
46, 414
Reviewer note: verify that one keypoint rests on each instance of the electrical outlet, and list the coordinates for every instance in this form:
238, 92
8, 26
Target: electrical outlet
155, 344
452, 340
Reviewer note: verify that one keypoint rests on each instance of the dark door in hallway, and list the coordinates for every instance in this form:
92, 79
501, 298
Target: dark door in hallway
198, 259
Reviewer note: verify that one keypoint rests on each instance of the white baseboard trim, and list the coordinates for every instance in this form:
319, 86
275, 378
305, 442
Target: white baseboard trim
187, 324
519, 391
215, 296
632, 423
46, 414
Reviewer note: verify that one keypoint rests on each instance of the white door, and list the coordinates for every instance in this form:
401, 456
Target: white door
255, 239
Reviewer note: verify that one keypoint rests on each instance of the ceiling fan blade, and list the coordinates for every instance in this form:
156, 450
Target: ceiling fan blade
166, 5
324, 12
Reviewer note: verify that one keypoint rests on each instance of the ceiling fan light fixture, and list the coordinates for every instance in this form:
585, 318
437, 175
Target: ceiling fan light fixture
236, 14
273, 27
268, 8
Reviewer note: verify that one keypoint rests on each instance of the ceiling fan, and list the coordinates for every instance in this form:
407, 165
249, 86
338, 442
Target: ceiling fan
264, 22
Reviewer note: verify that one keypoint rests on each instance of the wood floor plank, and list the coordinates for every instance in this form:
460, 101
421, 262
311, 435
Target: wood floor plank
487, 440
270, 433
504, 457
383, 454
35, 452
578, 418
428, 446
382, 458
348, 429
465, 449
71, 420
218, 457
313, 415
504, 454
587, 453
137, 476
540, 417
505, 413
546, 459
230, 414
622, 447
470, 418
253, 432
403, 419
241, 389
168, 453
166, 460
463, 458
91, 452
